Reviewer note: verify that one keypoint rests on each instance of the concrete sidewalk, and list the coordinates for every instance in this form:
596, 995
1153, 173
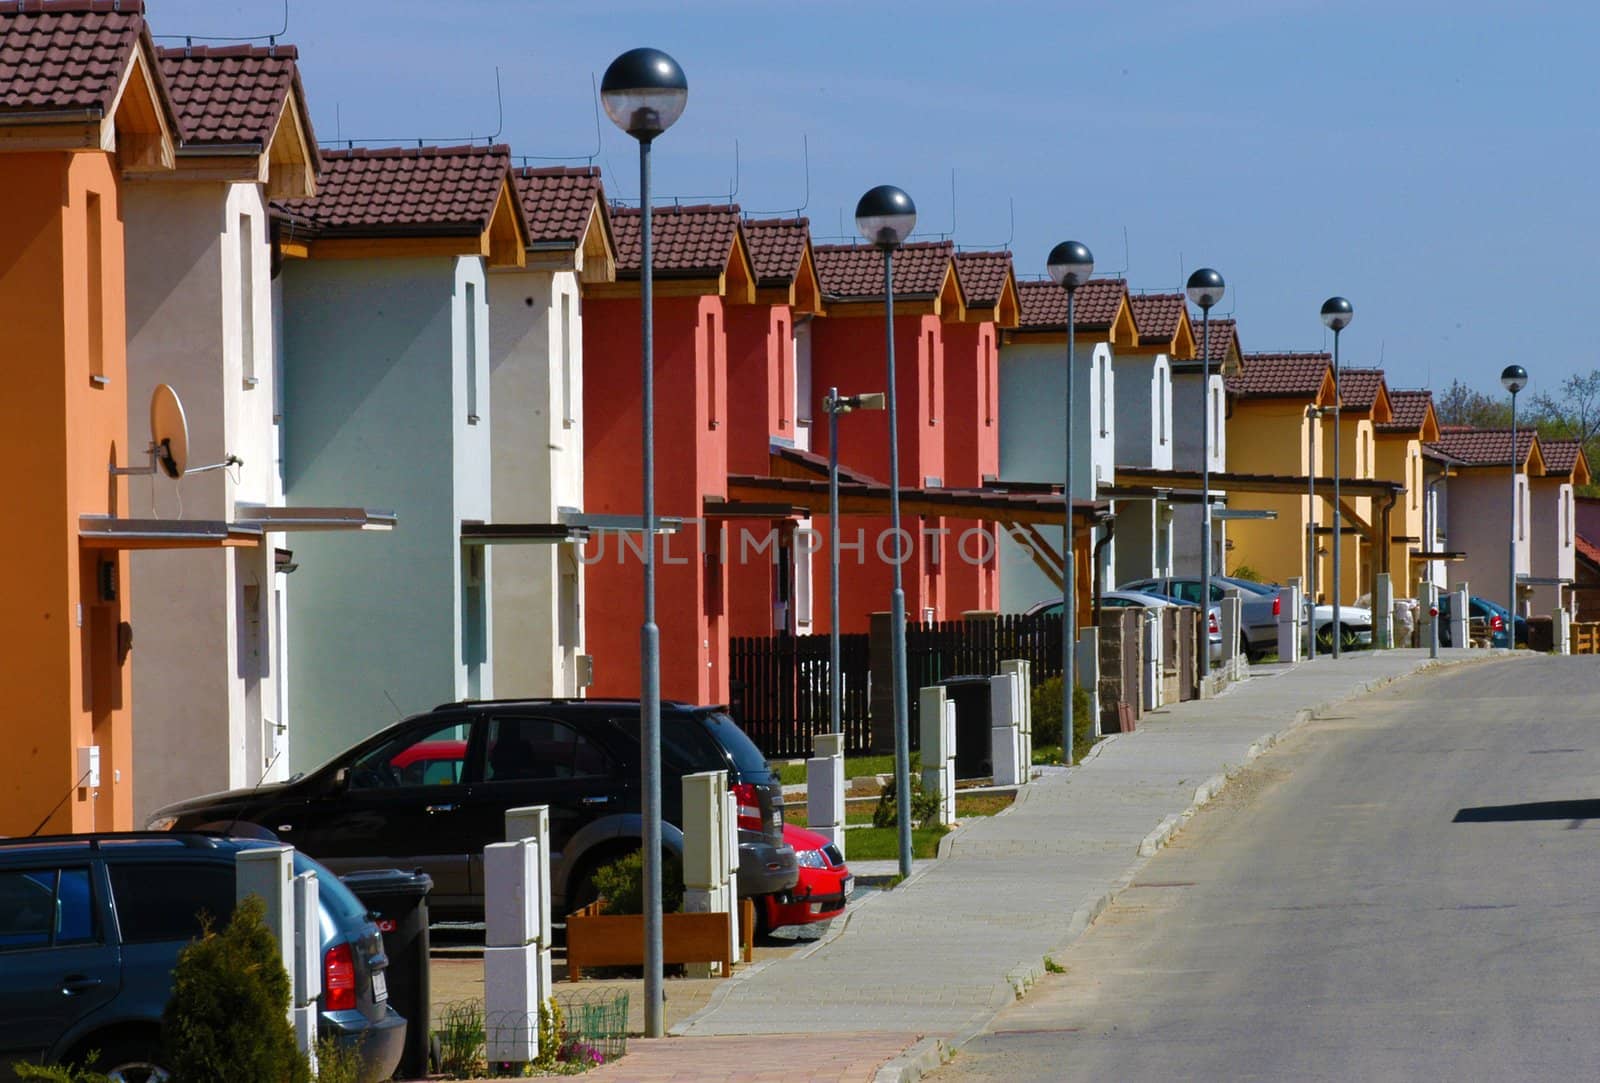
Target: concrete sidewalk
940, 954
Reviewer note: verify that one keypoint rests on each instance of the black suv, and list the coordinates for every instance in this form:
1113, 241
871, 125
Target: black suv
91, 925
432, 791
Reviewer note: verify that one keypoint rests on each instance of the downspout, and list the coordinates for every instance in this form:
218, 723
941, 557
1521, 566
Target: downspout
1110, 523
1387, 508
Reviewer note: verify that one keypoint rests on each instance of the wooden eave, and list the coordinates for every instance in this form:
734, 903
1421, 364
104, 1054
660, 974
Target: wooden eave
949, 304
138, 126
1005, 313
1580, 469
1381, 411
597, 251
288, 168
739, 274
1124, 332
1327, 394
504, 243
1534, 463
391, 247
1183, 345
1430, 425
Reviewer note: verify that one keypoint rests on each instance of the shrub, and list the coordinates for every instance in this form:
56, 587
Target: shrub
60, 1073
1244, 571
228, 1015
461, 1040
1047, 714
621, 884
924, 805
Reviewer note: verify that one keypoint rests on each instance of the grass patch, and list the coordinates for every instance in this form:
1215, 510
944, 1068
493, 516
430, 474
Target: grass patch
883, 843
983, 804
794, 774
1050, 755
1053, 967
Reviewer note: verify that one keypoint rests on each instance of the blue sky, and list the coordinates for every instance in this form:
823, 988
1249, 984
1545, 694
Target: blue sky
1433, 162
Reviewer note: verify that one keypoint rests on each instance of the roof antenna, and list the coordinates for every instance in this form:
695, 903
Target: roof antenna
952, 201
733, 185
499, 108
1011, 204
594, 92
338, 128
805, 153
1127, 261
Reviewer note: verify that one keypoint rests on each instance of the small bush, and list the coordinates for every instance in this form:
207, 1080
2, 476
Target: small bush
1244, 571
621, 884
1047, 714
461, 1040
924, 805
61, 1073
228, 1015
337, 1063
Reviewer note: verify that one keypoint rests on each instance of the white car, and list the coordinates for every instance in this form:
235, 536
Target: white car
1355, 626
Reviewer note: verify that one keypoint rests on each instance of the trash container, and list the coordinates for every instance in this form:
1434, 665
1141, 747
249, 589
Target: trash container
399, 903
974, 720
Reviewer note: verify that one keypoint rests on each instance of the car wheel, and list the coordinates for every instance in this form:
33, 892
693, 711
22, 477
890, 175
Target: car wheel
132, 1060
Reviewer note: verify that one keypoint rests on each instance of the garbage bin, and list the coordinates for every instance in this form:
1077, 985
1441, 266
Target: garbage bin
974, 719
399, 903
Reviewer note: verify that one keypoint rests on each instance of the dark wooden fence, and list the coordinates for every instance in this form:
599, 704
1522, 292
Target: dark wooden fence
779, 687
967, 648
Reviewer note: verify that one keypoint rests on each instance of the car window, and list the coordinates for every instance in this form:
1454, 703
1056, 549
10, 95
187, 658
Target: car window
430, 756
1189, 591
1118, 603
45, 907
542, 748
752, 765
159, 901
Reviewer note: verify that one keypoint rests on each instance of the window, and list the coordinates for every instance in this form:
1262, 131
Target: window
160, 901
1163, 393
933, 384
1216, 420
1105, 386
785, 343
542, 748
474, 617
95, 288
989, 377
469, 329
434, 756
711, 370
247, 302
42, 908
568, 418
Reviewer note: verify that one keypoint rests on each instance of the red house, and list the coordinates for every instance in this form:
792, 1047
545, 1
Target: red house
848, 353
703, 276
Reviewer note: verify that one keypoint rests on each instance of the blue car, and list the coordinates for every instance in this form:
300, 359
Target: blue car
1491, 613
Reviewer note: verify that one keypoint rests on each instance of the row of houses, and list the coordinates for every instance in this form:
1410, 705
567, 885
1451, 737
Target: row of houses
413, 413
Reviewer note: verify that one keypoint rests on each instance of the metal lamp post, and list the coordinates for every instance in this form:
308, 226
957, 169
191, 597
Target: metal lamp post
1513, 378
1336, 316
1070, 264
1205, 288
644, 92
836, 406
885, 216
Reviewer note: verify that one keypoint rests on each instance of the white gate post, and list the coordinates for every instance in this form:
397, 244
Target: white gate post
513, 885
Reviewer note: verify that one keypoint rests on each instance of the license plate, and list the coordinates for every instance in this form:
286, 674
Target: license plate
777, 819
380, 987
849, 885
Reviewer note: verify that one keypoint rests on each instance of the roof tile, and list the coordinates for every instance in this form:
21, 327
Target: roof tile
1560, 456
688, 242
1157, 315
368, 192
1224, 334
1484, 447
777, 245
1044, 304
1410, 410
1279, 375
983, 276
1588, 550
1358, 388
557, 202
854, 272
65, 54
232, 95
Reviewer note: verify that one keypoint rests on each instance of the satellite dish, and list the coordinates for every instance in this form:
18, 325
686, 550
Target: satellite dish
169, 431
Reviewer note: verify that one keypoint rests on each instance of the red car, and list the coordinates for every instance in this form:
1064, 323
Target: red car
824, 887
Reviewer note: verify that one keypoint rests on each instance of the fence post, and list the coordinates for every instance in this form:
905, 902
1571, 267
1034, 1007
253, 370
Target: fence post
825, 788
1563, 632
514, 883
938, 753
1024, 673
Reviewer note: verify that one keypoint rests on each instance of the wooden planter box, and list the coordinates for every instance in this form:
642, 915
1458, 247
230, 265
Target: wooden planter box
596, 939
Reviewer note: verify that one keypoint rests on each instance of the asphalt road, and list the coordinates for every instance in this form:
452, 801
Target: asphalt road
1407, 890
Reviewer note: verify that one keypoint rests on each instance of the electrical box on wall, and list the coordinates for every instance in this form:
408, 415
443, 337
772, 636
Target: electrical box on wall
89, 766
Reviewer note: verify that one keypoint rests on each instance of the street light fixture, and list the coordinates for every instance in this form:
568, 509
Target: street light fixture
1513, 378
1336, 316
1205, 289
885, 216
835, 405
644, 91
1070, 264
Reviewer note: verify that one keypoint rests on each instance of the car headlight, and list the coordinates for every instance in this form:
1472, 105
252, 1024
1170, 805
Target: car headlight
812, 859
161, 823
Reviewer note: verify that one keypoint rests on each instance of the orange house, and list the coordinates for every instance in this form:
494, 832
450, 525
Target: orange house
848, 353
703, 274
769, 383
87, 111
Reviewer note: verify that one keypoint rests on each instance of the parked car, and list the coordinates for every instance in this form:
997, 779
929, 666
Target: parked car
432, 791
1258, 611
1050, 609
1493, 614
823, 889
91, 927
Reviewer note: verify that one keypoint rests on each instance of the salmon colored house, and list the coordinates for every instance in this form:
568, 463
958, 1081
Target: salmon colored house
769, 399
848, 353
1412, 423
703, 274
83, 109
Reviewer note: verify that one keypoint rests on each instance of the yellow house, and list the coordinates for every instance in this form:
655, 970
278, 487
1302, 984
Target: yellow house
1363, 406
1277, 435
1412, 423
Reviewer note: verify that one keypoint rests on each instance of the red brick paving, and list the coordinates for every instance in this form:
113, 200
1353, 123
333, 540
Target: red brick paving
790, 1058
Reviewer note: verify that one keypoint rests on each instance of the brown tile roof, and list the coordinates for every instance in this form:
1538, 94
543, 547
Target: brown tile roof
1457, 428
1410, 410
854, 272
1560, 456
983, 276
777, 246
67, 54
1588, 550
1157, 315
1358, 388
689, 242
1484, 447
1044, 304
427, 191
558, 200
232, 95
1224, 333
1280, 375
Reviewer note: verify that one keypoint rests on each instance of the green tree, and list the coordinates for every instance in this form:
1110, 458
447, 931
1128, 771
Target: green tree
1460, 404
1573, 413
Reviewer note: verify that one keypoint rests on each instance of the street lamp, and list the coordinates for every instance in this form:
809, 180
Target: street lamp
835, 405
885, 216
1205, 289
644, 92
1336, 316
1070, 264
1513, 378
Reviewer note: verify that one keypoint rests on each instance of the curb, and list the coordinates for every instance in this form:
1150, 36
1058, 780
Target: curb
927, 1055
